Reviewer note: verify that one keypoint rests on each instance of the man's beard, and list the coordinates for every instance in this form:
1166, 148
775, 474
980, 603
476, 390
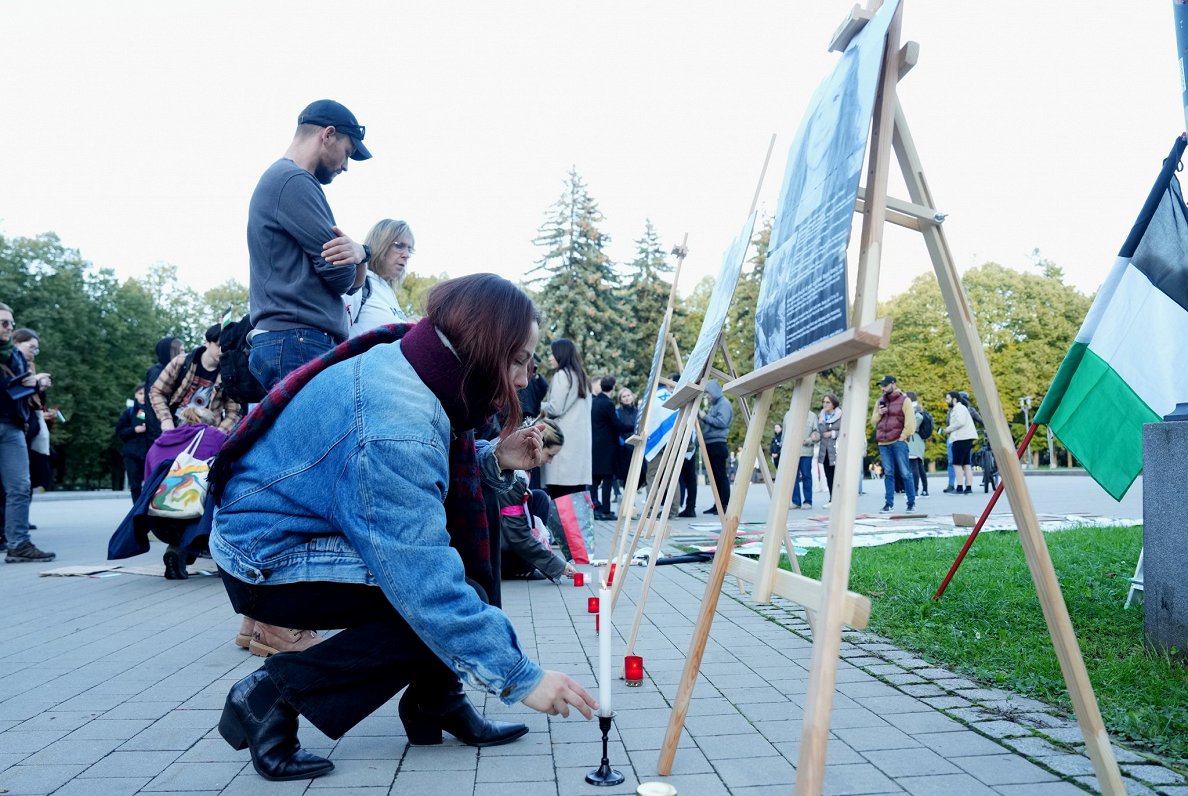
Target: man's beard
324, 175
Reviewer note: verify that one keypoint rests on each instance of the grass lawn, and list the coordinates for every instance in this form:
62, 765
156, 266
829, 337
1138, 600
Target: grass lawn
989, 626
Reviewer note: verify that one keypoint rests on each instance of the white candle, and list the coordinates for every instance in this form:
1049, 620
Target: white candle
604, 651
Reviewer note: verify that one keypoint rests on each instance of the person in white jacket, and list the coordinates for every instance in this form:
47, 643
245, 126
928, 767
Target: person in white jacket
962, 432
391, 244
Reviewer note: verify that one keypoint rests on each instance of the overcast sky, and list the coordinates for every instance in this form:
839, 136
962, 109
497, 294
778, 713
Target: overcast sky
137, 130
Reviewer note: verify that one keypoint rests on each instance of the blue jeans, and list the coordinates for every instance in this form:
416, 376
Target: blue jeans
895, 460
952, 472
802, 487
277, 354
14, 472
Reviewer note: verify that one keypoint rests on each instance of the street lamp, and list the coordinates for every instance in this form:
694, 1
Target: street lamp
1025, 405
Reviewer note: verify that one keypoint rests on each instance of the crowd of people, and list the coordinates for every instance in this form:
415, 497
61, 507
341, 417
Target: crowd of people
902, 428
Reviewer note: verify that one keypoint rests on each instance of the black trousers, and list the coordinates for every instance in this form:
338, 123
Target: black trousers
346, 678
688, 483
134, 468
718, 453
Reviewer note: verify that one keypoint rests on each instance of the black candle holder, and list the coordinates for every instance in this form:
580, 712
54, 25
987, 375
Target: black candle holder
604, 774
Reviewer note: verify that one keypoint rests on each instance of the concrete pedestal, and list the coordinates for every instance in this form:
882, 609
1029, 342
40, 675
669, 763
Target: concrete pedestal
1165, 535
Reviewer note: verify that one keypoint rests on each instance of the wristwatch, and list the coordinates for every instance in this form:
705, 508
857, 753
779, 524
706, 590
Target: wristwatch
366, 255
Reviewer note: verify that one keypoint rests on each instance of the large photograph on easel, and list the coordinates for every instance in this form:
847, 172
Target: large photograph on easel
803, 298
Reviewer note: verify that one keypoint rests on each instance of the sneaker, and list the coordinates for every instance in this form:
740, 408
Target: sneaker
688, 513
808, 506
968, 490
28, 554
911, 507
828, 503
711, 510
886, 509
949, 490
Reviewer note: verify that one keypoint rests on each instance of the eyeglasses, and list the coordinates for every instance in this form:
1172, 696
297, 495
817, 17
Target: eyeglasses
403, 247
6, 324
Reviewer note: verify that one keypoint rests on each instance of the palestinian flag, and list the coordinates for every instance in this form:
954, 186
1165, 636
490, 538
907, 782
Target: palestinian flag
1129, 363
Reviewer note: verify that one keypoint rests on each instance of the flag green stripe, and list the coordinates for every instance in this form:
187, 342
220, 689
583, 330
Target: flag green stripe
1055, 394
1100, 419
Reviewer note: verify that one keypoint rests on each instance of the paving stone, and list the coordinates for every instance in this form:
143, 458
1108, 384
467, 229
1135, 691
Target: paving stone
907, 680
39, 779
949, 703
429, 783
111, 786
945, 785
1032, 746
865, 739
773, 770
1068, 765
1042, 789
1154, 775
1003, 769
521, 769
959, 743
195, 776
1002, 729
132, 764
858, 778
914, 763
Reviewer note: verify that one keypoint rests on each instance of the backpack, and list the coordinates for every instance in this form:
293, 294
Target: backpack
926, 425
238, 382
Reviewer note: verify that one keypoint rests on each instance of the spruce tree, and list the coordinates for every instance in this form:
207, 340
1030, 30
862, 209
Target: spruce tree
646, 294
576, 282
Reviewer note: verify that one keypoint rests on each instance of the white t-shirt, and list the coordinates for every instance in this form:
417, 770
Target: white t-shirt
374, 305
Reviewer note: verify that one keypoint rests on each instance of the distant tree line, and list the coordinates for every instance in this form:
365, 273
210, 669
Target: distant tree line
98, 333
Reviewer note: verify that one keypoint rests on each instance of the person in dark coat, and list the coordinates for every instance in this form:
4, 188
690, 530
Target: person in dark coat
133, 432
628, 414
605, 427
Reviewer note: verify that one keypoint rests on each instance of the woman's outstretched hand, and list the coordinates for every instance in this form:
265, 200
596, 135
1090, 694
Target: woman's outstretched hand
522, 449
556, 692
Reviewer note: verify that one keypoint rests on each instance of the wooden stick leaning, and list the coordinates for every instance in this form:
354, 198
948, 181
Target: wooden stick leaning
635, 470
1043, 575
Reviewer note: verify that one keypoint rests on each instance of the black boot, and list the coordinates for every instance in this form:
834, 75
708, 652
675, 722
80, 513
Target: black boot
257, 717
426, 714
174, 568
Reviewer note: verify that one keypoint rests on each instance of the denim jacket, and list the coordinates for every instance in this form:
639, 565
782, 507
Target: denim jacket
348, 487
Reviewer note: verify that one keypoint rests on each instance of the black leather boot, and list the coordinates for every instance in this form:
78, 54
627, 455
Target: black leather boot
426, 714
257, 717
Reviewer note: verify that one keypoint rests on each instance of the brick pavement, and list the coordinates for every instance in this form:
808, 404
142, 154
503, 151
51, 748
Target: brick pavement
113, 685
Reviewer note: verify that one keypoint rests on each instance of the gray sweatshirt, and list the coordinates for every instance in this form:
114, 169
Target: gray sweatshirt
716, 422
291, 286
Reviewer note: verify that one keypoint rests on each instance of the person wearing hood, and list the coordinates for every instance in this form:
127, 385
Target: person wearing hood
167, 348
715, 424
132, 429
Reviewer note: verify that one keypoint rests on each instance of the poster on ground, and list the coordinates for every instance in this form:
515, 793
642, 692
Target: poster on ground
803, 298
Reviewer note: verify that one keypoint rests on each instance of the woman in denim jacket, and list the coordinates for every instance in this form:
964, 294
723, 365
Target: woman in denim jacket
335, 515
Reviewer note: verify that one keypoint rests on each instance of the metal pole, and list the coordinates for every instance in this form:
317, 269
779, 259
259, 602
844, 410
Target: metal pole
1180, 11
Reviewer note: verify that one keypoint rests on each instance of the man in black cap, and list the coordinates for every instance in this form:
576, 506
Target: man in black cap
301, 262
894, 420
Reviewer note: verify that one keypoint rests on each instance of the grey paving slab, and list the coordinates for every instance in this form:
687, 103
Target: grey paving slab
114, 685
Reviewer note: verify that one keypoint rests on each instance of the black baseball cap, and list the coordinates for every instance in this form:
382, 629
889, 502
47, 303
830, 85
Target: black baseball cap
888, 379
328, 113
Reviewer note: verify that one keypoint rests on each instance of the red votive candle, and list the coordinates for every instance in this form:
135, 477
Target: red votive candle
592, 605
633, 670
579, 579
597, 620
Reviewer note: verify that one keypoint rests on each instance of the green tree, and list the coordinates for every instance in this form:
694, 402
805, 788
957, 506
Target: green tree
1026, 322
96, 340
647, 295
575, 281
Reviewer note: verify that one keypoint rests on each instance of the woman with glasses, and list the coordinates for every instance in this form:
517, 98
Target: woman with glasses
391, 244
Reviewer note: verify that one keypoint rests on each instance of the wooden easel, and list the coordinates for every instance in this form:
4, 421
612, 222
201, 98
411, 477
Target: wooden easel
829, 596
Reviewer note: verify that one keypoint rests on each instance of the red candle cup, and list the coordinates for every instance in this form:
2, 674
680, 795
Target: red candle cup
592, 605
597, 620
633, 670
610, 578
579, 579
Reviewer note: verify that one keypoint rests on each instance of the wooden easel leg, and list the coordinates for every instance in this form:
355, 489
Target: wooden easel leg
1043, 575
713, 588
